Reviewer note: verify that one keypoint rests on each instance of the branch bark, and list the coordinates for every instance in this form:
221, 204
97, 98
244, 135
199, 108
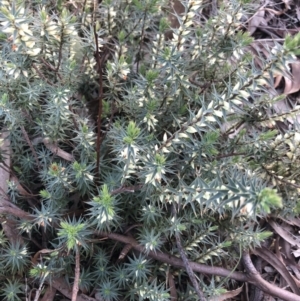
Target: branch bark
252, 276
189, 269
77, 275
175, 261
255, 278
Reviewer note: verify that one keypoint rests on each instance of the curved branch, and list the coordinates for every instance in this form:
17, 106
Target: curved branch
189, 269
186, 262
175, 261
255, 278
252, 276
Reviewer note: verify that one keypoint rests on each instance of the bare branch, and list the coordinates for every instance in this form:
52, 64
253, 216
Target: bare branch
252, 275
175, 261
77, 275
189, 269
187, 264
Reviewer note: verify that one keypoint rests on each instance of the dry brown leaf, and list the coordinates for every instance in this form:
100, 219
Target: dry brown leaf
294, 221
34, 259
49, 294
176, 9
293, 266
227, 295
287, 221
293, 240
261, 49
277, 81
272, 259
256, 20
282, 107
292, 84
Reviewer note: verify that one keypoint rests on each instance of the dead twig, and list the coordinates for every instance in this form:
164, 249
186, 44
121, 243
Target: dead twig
252, 275
39, 290
77, 275
175, 261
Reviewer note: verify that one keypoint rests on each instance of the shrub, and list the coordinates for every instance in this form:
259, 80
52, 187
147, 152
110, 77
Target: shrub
142, 161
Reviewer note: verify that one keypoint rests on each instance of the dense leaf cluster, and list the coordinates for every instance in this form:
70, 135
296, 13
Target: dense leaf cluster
123, 143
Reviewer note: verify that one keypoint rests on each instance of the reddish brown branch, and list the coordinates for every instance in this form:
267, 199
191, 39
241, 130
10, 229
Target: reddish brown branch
175, 261
172, 287
229, 155
252, 276
100, 109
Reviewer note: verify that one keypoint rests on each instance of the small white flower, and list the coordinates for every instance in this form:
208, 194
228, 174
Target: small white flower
151, 121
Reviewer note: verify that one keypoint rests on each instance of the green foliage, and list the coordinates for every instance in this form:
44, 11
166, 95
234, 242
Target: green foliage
292, 43
12, 291
138, 269
73, 233
186, 122
108, 291
104, 209
15, 257
268, 198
